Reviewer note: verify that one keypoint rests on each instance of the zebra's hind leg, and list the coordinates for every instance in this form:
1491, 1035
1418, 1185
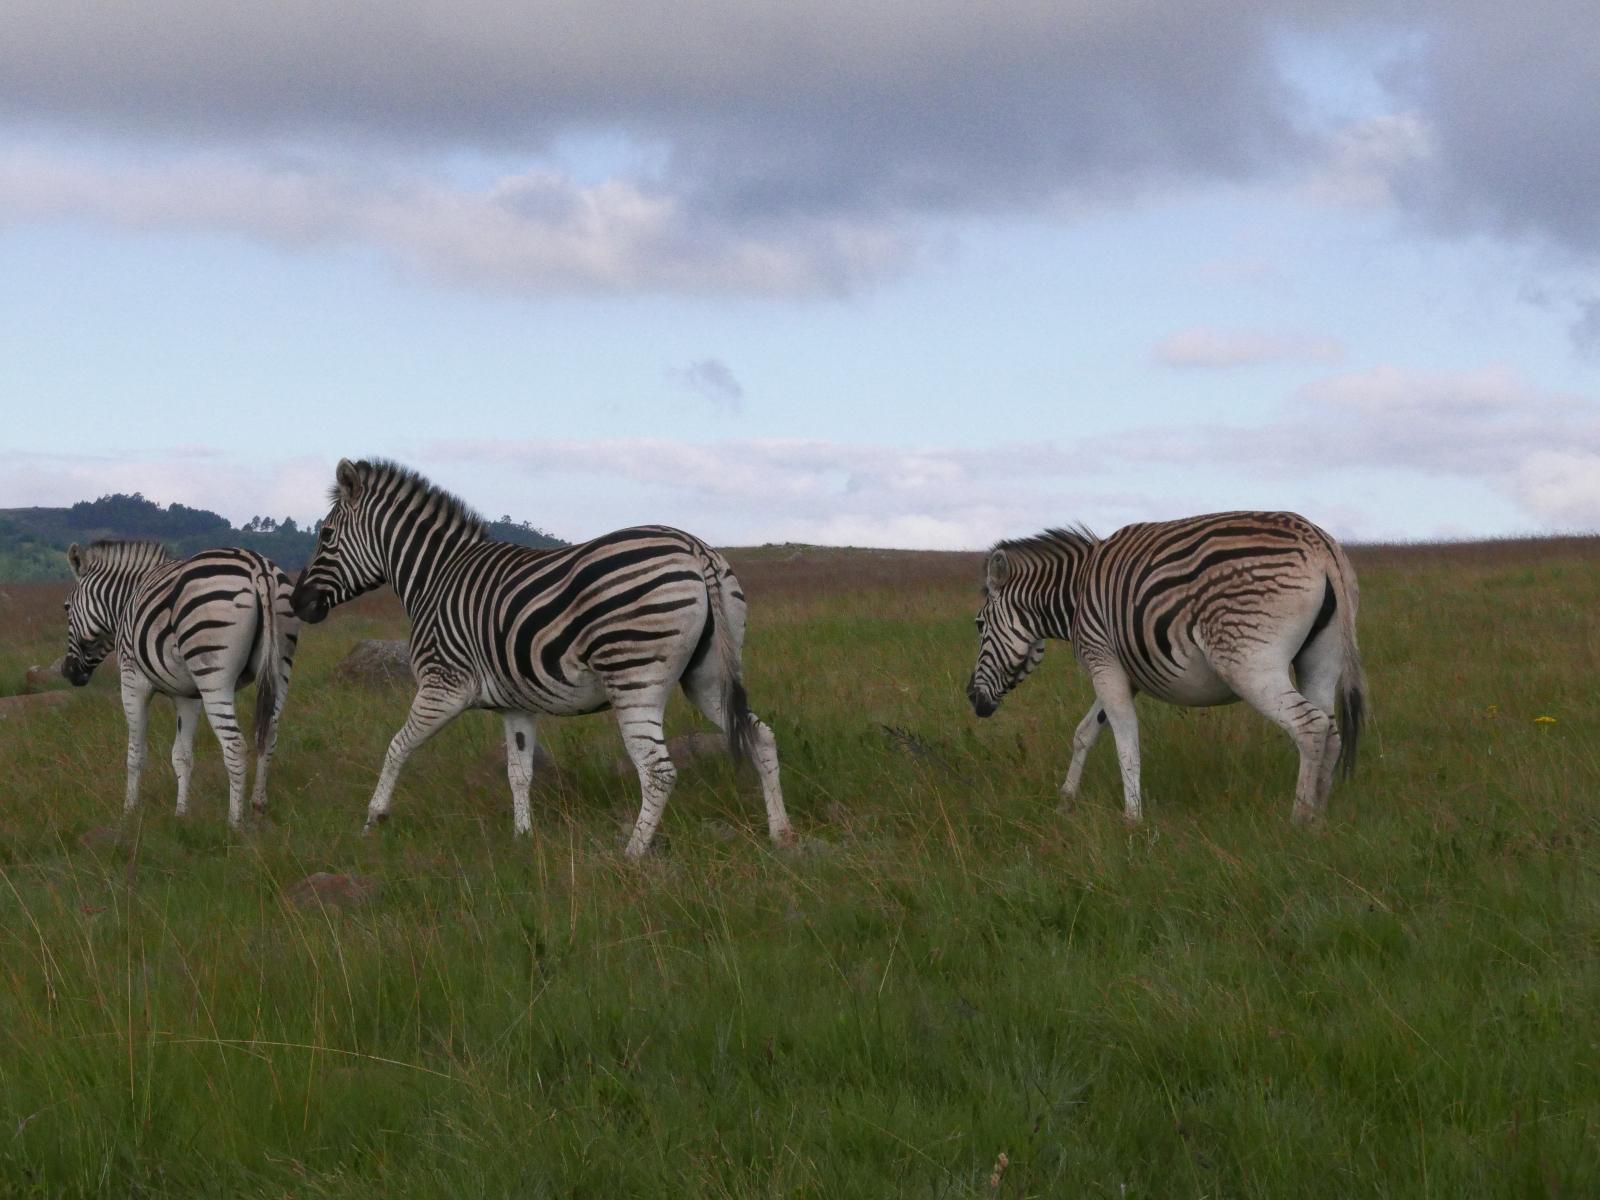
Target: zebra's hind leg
432, 708
706, 690
225, 724
136, 707
1083, 740
1317, 676
639, 713
519, 767
188, 710
1271, 693
258, 788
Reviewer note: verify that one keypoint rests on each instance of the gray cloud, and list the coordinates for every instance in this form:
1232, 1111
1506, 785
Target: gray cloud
769, 110
1585, 329
534, 231
1507, 93
780, 148
712, 379
1218, 349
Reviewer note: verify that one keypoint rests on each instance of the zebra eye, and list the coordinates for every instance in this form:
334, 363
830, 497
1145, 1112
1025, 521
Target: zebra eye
327, 535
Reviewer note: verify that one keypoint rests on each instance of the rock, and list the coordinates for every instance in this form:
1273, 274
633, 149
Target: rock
377, 662
11, 706
697, 745
100, 837
914, 745
41, 679
325, 889
682, 750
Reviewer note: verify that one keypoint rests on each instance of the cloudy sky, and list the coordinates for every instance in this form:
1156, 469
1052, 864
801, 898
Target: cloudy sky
914, 274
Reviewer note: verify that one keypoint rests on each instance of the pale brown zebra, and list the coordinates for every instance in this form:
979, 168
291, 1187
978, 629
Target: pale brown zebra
1258, 606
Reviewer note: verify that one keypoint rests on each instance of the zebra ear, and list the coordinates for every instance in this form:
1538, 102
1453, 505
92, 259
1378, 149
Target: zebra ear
349, 480
999, 571
75, 557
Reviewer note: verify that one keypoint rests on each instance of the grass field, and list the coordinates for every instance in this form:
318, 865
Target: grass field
947, 970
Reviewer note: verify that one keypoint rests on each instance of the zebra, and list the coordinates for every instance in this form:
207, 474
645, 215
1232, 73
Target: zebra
1200, 611
610, 623
196, 629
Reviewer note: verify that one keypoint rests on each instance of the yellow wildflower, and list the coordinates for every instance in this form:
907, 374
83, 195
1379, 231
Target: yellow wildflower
1544, 720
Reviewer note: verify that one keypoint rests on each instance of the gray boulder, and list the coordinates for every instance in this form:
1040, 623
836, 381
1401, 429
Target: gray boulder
377, 662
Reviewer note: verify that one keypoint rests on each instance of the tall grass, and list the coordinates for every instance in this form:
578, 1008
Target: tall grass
1217, 1004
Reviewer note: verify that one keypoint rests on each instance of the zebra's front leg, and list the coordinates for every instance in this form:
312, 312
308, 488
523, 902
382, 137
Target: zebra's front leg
1116, 698
136, 708
432, 708
1083, 740
224, 720
519, 768
188, 710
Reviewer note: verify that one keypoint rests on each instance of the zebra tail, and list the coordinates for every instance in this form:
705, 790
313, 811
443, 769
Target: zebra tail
268, 656
740, 723
1353, 712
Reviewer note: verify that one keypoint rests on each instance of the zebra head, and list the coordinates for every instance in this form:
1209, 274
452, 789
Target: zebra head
92, 613
348, 559
1009, 648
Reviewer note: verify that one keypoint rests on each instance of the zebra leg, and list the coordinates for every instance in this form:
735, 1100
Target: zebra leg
431, 710
519, 767
225, 724
136, 707
188, 710
258, 789
706, 691
1115, 696
1274, 696
1317, 676
1083, 740
764, 752
639, 716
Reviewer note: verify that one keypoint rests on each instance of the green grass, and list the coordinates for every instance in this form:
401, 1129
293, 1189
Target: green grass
1401, 1003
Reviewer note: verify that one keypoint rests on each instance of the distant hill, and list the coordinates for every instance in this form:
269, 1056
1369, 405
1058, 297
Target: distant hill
34, 541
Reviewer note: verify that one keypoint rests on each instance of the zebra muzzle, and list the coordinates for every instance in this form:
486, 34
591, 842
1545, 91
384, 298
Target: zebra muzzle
983, 705
310, 607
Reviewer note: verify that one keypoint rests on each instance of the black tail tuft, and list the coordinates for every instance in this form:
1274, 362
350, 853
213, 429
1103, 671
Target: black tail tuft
741, 724
1352, 712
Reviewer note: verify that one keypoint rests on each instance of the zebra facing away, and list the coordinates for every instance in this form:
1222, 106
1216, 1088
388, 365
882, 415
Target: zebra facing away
1258, 606
612, 623
196, 629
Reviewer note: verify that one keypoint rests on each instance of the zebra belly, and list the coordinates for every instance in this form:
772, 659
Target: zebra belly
580, 694
1195, 685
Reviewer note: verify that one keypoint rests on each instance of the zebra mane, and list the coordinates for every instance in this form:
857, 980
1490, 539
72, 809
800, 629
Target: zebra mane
118, 552
379, 471
1078, 537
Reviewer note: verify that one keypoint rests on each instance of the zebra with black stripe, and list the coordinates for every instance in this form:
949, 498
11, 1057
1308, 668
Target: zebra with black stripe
613, 623
196, 629
1258, 606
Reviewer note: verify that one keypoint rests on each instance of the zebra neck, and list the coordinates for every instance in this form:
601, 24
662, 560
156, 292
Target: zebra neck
1054, 620
122, 591
413, 567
